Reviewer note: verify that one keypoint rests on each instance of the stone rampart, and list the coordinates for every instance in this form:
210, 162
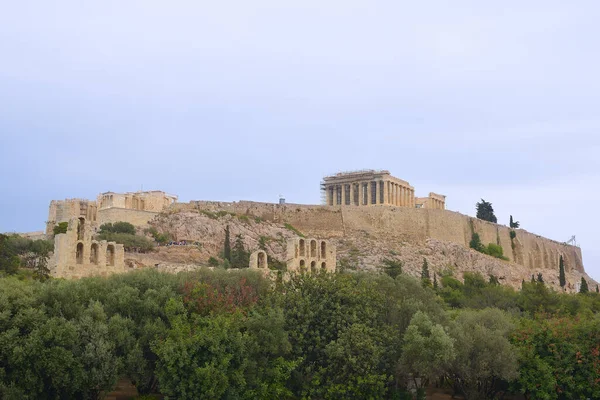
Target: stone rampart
135, 217
404, 224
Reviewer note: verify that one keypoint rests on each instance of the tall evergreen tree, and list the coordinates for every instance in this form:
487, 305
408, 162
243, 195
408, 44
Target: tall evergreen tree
584, 286
435, 283
597, 289
240, 258
513, 224
485, 211
425, 278
227, 245
561, 272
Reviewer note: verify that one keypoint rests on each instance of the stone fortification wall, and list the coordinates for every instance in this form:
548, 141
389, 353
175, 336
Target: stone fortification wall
404, 224
135, 217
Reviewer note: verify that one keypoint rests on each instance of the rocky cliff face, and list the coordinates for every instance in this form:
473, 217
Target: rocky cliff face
363, 239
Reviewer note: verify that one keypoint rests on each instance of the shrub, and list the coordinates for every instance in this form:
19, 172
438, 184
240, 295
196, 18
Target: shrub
61, 227
140, 244
117, 227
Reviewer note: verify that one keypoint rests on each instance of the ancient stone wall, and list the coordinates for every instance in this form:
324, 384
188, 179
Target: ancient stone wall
64, 210
77, 255
409, 225
154, 201
135, 217
310, 255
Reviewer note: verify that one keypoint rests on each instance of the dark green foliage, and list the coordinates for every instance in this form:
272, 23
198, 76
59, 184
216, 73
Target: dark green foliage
227, 245
561, 272
9, 261
584, 286
540, 278
494, 280
475, 243
392, 267
213, 262
61, 227
597, 289
117, 227
160, 238
512, 234
513, 224
435, 283
495, 250
485, 211
140, 244
425, 279
240, 257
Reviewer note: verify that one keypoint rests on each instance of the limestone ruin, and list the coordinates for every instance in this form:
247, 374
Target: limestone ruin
371, 187
303, 255
110, 207
77, 255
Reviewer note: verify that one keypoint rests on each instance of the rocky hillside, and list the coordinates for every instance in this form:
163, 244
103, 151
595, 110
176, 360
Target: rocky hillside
204, 234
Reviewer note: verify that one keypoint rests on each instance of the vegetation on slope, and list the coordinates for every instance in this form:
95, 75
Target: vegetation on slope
225, 335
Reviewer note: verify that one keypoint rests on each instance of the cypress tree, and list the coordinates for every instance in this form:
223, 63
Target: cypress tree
227, 245
425, 273
584, 286
561, 272
485, 211
532, 278
597, 289
240, 258
435, 284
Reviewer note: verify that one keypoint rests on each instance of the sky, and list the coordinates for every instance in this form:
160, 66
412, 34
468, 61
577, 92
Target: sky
240, 100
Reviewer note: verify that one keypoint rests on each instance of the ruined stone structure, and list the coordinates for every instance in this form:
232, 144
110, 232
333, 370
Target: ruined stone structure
310, 255
64, 210
77, 255
258, 260
137, 208
371, 187
153, 201
434, 201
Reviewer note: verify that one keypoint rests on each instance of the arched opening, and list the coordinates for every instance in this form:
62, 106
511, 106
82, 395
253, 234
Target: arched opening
110, 255
262, 260
323, 266
313, 267
80, 228
323, 249
94, 254
313, 248
302, 248
79, 253
302, 266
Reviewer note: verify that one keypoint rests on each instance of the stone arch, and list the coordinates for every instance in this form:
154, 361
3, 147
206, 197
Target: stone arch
80, 228
302, 266
313, 267
323, 249
313, 248
110, 255
94, 254
262, 259
79, 253
324, 266
302, 246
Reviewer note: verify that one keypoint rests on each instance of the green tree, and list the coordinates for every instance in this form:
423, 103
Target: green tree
117, 227
484, 353
425, 278
485, 211
391, 267
475, 243
9, 261
427, 350
227, 245
240, 257
561, 272
61, 227
435, 283
540, 278
584, 286
513, 224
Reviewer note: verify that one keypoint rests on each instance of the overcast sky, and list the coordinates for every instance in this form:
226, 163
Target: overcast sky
235, 100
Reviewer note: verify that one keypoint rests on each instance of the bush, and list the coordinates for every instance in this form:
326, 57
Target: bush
117, 227
136, 243
61, 227
495, 250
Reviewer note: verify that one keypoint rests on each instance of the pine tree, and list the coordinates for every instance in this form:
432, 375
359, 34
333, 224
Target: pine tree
485, 211
561, 272
584, 286
227, 245
240, 258
425, 278
513, 224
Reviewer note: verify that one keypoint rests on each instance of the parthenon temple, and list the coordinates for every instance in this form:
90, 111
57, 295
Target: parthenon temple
371, 187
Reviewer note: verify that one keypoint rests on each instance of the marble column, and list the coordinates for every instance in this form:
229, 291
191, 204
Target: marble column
352, 194
385, 192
